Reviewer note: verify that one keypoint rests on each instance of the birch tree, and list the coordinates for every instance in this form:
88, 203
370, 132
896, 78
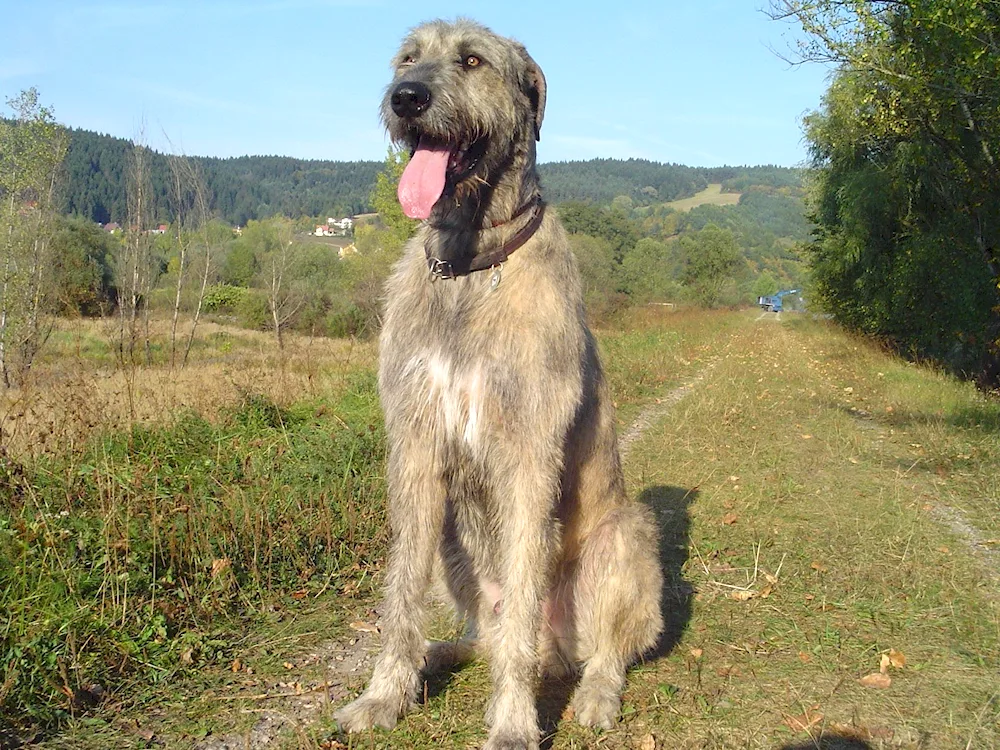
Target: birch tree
32, 148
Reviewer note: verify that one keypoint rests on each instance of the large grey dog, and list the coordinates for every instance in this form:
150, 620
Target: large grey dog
503, 470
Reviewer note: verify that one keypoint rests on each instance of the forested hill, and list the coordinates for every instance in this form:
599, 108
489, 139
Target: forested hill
649, 182
255, 187
241, 188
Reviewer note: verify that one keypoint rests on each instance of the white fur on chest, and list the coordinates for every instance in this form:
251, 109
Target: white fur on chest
452, 393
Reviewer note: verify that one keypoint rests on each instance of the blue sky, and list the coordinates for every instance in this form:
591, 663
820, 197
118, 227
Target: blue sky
695, 81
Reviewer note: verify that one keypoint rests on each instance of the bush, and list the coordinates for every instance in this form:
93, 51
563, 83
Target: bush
253, 312
224, 297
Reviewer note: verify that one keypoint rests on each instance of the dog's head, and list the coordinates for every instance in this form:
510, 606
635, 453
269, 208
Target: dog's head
467, 103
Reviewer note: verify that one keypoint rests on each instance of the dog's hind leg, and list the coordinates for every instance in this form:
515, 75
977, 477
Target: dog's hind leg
617, 597
416, 515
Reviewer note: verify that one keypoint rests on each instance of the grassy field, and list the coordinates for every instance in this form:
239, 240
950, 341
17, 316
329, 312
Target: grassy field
187, 548
712, 195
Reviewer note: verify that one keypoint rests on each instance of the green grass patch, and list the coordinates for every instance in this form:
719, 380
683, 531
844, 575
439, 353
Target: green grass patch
151, 552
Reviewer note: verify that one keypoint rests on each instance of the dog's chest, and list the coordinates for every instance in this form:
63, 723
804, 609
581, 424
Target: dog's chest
449, 394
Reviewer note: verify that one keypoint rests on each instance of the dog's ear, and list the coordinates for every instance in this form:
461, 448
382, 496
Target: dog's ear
535, 89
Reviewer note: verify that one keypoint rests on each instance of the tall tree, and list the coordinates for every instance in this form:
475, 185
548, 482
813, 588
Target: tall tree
907, 181
710, 256
32, 147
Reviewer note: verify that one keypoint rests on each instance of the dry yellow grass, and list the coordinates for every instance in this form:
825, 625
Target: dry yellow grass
76, 390
712, 195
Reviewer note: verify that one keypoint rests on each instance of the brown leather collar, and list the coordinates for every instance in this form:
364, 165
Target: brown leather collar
443, 269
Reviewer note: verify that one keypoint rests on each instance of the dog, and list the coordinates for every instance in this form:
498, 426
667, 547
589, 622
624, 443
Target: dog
503, 470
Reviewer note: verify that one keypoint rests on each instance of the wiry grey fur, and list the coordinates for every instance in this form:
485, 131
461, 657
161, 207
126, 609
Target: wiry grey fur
503, 468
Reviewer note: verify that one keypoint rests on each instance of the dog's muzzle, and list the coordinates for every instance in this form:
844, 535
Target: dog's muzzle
410, 99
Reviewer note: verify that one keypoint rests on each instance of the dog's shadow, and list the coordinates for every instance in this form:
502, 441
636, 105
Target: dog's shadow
670, 505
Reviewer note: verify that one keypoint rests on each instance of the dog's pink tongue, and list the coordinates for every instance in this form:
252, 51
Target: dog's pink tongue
422, 182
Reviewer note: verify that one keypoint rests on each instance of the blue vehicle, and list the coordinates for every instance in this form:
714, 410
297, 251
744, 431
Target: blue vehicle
773, 302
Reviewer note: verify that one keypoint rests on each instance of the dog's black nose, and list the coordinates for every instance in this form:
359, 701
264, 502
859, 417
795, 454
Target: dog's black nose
410, 98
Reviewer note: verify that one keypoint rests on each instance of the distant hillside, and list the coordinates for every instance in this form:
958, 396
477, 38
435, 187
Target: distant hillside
647, 183
242, 188
254, 187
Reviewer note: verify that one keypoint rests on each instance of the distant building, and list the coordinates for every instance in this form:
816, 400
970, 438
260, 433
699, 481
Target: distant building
160, 229
335, 227
112, 227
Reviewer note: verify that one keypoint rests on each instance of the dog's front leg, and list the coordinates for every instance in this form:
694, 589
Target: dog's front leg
416, 515
527, 535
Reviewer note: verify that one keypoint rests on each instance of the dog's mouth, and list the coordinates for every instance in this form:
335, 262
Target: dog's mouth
436, 168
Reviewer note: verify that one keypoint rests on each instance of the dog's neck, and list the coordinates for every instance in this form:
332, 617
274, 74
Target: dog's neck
503, 240
487, 221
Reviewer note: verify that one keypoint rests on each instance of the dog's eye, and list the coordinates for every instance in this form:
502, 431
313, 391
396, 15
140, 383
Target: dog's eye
471, 61
408, 60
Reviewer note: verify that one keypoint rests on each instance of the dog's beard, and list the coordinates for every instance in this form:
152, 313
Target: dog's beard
456, 240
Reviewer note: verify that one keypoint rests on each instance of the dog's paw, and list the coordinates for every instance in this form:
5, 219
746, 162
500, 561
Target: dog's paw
367, 712
508, 741
596, 705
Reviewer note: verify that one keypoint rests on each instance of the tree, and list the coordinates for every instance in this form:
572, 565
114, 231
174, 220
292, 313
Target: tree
32, 147
765, 285
599, 273
82, 268
907, 182
710, 256
584, 218
135, 270
386, 203
648, 272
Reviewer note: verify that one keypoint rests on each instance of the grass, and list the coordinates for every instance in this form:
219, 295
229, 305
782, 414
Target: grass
712, 195
807, 487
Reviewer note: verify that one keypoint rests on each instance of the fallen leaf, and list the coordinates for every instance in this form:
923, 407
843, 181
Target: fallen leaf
766, 591
896, 658
146, 733
876, 680
742, 595
237, 665
728, 670
364, 627
219, 565
810, 597
300, 594
647, 743
818, 566
804, 657
288, 665
807, 437
883, 664
944, 550
696, 653
729, 519
804, 722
